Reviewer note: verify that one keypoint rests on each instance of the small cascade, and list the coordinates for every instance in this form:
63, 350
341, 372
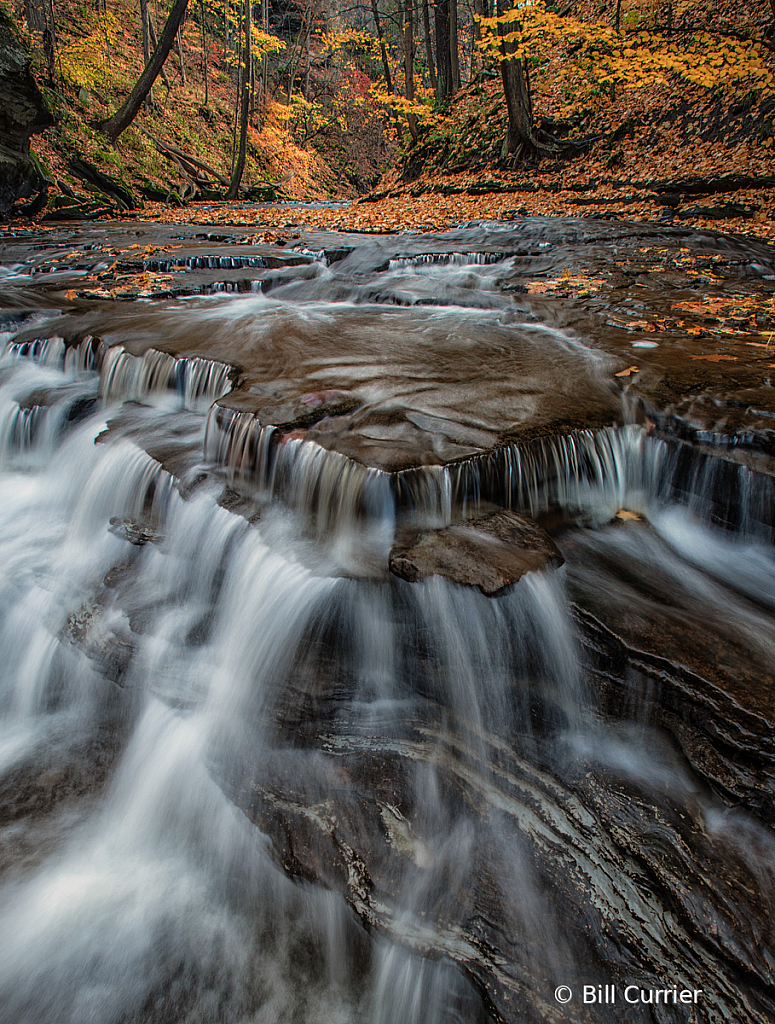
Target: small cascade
20, 427
594, 472
196, 382
85, 357
336, 490
589, 472
46, 351
200, 263
76, 359
444, 259
237, 442
717, 489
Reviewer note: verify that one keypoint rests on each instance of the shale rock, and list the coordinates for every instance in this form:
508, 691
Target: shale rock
23, 112
491, 553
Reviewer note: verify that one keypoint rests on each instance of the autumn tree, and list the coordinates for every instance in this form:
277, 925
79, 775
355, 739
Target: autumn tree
611, 60
127, 112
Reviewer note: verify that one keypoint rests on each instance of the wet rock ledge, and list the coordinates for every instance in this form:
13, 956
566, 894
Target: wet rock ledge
492, 552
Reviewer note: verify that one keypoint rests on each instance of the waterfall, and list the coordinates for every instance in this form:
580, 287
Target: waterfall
248, 774
195, 381
443, 259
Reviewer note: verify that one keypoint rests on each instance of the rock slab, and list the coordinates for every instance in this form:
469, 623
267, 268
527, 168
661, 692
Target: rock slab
492, 552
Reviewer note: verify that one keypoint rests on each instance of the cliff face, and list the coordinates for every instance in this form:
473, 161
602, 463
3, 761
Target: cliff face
23, 112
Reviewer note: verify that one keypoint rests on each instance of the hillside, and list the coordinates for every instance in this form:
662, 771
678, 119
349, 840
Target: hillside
99, 56
694, 148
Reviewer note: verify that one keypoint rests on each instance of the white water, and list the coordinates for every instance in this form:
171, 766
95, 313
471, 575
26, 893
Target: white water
148, 895
133, 678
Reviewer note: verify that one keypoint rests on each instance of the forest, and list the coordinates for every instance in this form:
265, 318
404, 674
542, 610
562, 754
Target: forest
405, 113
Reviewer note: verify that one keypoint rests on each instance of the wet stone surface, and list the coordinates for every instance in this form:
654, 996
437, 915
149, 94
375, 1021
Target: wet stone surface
527, 755
442, 348
491, 552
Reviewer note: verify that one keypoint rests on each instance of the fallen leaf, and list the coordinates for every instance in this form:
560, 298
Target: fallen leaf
625, 515
627, 372
716, 358
70, 295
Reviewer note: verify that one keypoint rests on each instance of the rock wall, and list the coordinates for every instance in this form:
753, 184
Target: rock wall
23, 112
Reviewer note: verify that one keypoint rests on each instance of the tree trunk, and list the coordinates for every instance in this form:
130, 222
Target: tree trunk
247, 78
35, 15
50, 42
124, 116
519, 137
179, 48
382, 50
411, 119
293, 62
478, 10
443, 60
454, 52
145, 20
154, 44
619, 14
426, 24
264, 61
205, 55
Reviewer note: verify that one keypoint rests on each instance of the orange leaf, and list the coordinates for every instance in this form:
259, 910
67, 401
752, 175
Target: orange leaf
627, 372
716, 358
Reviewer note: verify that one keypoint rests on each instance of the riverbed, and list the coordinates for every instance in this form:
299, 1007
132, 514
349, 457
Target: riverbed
388, 625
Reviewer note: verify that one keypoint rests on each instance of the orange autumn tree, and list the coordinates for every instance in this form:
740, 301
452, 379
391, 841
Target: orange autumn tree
607, 60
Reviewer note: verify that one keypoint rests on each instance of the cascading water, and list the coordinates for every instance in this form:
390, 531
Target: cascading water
247, 774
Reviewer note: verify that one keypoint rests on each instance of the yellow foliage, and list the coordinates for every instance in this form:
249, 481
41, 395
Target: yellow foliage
630, 61
84, 62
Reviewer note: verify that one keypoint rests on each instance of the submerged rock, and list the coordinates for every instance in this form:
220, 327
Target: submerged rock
133, 531
492, 552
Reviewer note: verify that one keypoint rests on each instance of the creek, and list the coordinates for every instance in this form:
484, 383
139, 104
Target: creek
372, 653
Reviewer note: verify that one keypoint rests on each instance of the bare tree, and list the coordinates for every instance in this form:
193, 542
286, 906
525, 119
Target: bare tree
127, 112
443, 53
382, 49
34, 11
411, 119
454, 54
247, 78
426, 24
205, 55
179, 51
145, 20
50, 41
154, 44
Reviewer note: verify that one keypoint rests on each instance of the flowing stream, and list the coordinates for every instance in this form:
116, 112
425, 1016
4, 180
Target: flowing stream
248, 775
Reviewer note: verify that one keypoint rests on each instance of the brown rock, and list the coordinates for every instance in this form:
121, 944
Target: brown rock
491, 553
